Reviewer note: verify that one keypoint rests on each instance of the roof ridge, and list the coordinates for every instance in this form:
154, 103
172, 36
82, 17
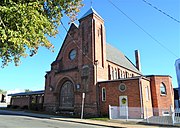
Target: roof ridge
90, 11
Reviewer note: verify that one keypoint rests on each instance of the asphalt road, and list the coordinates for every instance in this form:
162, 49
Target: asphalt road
8, 120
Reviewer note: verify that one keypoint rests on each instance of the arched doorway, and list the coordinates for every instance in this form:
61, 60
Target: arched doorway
67, 96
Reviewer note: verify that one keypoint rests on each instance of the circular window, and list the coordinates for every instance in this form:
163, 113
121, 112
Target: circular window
72, 54
122, 87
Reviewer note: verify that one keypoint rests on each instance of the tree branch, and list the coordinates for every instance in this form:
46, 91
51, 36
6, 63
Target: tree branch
2, 23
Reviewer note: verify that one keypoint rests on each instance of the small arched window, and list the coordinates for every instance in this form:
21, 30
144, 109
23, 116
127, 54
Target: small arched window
112, 74
163, 89
127, 74
115, 73
121, 74
103, 94
124, 74
109, 72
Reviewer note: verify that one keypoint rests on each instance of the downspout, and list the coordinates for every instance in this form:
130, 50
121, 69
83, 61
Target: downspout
141, 98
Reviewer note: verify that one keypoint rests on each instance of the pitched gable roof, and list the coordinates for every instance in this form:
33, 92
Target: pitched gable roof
90, 11
117, 57
73, 26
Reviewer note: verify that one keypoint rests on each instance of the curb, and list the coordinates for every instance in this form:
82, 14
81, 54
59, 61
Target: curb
60, 118
83, 121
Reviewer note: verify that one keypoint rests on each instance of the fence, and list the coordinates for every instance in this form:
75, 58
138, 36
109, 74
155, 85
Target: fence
176, 116
116, 112
3, 105
149, 115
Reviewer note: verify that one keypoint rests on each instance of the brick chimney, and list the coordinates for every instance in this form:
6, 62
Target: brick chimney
137, 57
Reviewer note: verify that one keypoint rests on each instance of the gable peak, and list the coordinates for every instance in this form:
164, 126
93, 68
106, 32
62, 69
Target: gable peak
89, 12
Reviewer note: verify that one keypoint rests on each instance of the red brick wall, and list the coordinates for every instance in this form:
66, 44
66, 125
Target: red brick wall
161, 101
65, 72
20, 101
89, 40
113, 93
134, 88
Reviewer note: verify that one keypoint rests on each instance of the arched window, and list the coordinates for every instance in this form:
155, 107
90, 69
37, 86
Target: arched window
103, 94
115, 73
127, 74
67, 95
163, 89
124, 74
119, 73
112, 74
132, 75
109, 72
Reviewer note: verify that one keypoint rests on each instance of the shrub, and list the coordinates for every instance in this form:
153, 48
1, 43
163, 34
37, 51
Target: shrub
9, 106
15, 106
25, 107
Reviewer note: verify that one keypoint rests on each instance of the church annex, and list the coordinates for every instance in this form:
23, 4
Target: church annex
87, 64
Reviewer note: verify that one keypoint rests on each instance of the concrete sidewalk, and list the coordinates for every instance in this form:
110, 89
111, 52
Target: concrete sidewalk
111, 123
3, 105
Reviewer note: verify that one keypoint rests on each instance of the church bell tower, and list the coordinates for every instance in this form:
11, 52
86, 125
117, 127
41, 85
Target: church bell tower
92, 57
93, 40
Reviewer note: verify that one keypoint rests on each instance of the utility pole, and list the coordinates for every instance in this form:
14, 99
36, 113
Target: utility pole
177, 66
82, 110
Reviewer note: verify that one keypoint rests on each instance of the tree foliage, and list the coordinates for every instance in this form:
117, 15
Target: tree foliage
2, 91
27, 90
25, 25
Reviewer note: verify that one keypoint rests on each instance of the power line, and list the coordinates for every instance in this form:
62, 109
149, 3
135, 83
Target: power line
75, 42
60, 36
153, 38
161, 11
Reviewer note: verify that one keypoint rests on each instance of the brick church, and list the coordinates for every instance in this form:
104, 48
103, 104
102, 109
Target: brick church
86, 63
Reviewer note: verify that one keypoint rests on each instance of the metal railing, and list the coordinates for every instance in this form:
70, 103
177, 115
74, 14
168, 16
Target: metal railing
150, 115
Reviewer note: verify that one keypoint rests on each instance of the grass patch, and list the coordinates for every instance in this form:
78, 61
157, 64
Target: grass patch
3, 108
11, 109
100, 118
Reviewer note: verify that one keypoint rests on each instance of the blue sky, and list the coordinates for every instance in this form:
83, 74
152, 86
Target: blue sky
121, 33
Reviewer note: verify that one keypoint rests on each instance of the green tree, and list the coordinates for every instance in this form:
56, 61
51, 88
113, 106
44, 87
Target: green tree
2, 91
25, 25
27, 90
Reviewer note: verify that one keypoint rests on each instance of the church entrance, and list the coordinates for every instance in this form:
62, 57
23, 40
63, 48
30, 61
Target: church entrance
123, 101
67, 96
